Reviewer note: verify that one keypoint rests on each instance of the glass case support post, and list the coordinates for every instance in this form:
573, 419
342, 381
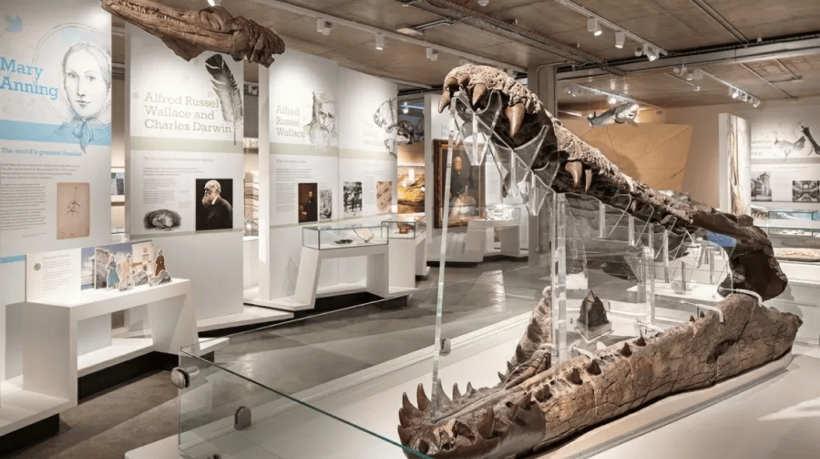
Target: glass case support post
665, 248
601, 220
558, 277
711, 266
631, 229
684, 283
441, 264
649, 262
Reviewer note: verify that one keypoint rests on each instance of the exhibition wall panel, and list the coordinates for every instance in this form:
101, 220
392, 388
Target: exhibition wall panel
776, 130
185, 166
330, 160
55, 126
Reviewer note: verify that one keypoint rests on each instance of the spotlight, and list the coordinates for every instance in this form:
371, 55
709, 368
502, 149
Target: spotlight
432, 54
696, 88
405, 108
323, 27
483, 2
690, 76
756, 103
612, 100
215, 2
653, 54
731, 90
594, 27
745, 97
620, 38
638, 51
735, 94
379, 42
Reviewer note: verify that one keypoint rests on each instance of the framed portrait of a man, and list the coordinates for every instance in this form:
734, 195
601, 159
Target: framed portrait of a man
467, 183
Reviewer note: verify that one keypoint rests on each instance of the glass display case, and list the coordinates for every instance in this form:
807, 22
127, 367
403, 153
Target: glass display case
337, 237
403, 229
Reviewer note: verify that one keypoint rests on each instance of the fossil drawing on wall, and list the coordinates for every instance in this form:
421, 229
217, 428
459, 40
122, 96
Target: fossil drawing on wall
73, 210
539, 403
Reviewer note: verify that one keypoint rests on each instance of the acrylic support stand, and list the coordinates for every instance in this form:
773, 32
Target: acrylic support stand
408, 259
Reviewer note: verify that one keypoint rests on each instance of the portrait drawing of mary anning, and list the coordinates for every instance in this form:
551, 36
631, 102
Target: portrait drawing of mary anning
86, 85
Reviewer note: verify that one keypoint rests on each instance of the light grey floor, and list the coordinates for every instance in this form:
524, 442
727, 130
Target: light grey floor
295, 357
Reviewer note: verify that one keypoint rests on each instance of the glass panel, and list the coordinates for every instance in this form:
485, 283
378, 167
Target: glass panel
337, 237
225, 414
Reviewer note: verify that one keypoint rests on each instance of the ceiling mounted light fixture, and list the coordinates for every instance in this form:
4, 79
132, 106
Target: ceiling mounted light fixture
215, 2
380, 42
323, 27
594, 27
612, 100
405, 108
483, 2
620, 39
696, 88
756, 103
638, 51
432, 54
735, 94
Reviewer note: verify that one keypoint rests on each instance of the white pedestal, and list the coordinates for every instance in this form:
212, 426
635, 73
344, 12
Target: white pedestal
51, 365
310, 262
408, 259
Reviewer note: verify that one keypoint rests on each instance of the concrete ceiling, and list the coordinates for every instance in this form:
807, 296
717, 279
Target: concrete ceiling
675, 25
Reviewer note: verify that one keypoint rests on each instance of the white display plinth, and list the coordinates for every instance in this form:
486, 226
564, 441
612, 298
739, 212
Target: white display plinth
471, 246
408, 259
307, 281
51, 365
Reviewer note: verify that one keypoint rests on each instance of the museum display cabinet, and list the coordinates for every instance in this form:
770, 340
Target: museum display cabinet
336, 237
403, 229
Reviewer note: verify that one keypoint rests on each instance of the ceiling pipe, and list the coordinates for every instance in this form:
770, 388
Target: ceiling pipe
776, 48
767, 81
390, 34
488, 23
720, 20
617, 95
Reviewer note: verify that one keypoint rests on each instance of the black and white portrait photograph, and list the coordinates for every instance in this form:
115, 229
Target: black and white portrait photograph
353, 199
214, 205
308, 202
325, 204
762, 186
806, 191
321, 130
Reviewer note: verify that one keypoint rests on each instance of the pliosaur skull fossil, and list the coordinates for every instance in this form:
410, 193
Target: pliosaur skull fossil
538, 403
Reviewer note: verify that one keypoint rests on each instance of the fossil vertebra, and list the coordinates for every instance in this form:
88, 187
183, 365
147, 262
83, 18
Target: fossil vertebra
190, 33
538, 404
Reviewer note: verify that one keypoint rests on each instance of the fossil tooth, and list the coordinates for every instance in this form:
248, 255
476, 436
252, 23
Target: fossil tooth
520, 354
451, 83
691, 319
626, 351
404, 418
469, 389
593, 368
463, 80
543, 394
442, 396
515, 114
445, 100
588, 175
456, 393
574, 377
502, 376
479, 91
421, 398
484, 427
640, 342
409, 408
510, 367
574, 168
423, 447
405, 435
702, 315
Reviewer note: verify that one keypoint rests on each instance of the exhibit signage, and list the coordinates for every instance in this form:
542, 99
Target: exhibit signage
55, 126
186, 140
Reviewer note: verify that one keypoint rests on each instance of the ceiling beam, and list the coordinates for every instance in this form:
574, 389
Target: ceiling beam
390, 34
804, 45
767, 81
720, 20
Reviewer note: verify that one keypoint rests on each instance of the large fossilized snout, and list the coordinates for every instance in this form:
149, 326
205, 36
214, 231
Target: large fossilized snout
190, 33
